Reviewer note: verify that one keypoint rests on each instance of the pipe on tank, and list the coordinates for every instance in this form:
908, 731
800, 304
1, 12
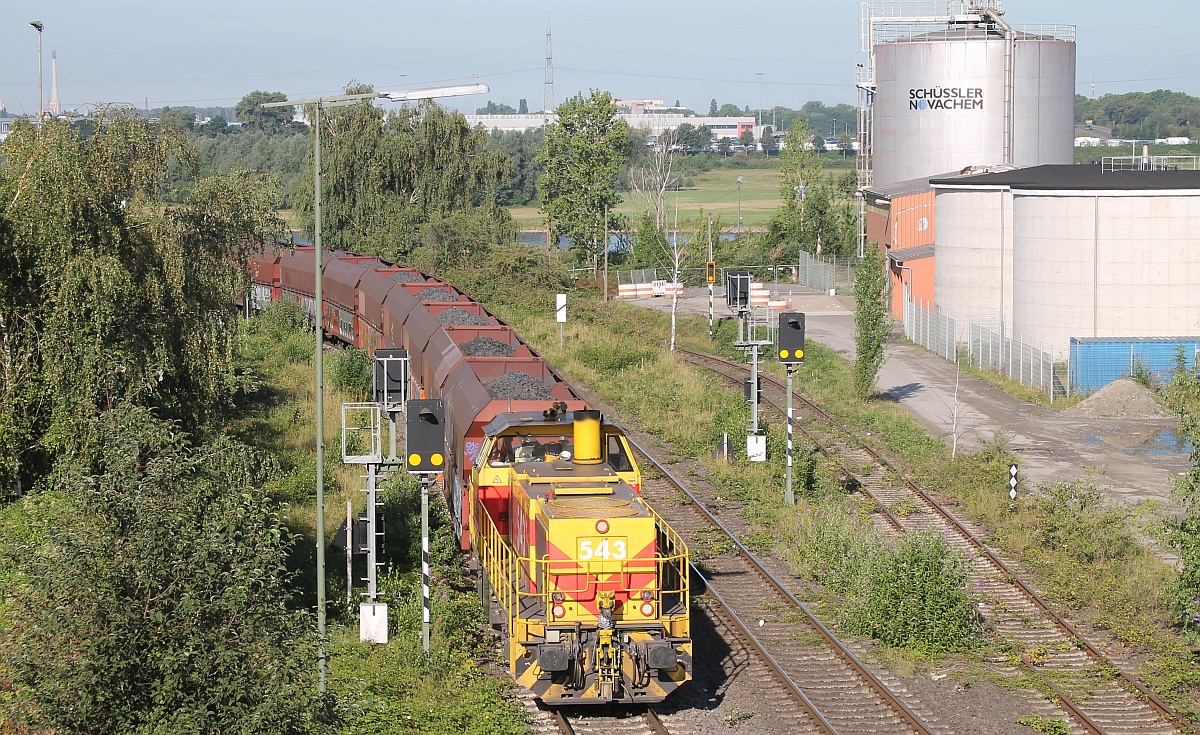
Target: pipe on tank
994, 15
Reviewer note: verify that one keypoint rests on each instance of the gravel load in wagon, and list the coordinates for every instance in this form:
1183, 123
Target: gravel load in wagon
436, 294
486, 347
404, 277
457, 317
518, 386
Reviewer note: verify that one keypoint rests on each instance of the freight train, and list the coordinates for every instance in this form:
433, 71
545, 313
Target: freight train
587, 583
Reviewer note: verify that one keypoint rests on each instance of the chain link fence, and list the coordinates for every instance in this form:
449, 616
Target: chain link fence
1025, 360
816, 272
931, 328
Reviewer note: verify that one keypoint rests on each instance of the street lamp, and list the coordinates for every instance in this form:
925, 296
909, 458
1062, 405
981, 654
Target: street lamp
475, 99
739, 183
37, 24
321, 103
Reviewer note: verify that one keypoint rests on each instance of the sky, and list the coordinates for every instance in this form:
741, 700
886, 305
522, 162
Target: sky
212, 53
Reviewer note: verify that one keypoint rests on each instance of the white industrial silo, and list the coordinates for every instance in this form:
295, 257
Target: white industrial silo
947, 85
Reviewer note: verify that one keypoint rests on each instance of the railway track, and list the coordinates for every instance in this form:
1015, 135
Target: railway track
840, 693
1049, 644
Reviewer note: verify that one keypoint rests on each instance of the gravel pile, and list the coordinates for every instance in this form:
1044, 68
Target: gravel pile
436, 294
486, 347
1121, 399
457, 317
518, 386
407, 278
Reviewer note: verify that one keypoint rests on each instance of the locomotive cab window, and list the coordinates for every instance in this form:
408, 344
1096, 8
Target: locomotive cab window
617, 458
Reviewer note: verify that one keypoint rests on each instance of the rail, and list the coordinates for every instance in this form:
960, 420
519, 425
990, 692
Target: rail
1156, 703
833, 641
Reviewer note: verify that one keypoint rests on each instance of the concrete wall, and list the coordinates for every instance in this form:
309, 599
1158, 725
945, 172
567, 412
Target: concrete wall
1105, 264
974, 251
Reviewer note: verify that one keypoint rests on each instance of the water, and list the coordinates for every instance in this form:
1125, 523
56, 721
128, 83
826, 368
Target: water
1164, 441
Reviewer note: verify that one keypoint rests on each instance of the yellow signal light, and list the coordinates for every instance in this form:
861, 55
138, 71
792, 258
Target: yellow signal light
783, 354
437, 460
414, 460
799, 354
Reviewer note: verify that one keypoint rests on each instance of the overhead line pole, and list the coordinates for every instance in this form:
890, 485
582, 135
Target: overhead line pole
318, 318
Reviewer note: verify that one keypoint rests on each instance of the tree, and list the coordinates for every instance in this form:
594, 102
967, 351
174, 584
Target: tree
746, 138
767, 141
586, 149
729, 110
110, 294
523, 109
252, 115
723, 145
799, 165
520, 147
712, 108
1183, 534
844, 143
215, 126
386, 176
653, 176
872, 322
152, 589
180, 118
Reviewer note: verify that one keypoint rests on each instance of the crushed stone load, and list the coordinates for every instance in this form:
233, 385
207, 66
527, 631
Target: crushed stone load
436, 294
486, 347
407, 278
457, 317
518, 386
1121, 399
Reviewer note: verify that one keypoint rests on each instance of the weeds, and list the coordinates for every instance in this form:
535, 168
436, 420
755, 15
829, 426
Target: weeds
1052, 726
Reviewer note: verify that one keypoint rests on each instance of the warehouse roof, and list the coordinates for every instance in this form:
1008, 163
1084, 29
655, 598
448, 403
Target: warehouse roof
1069, 176
913, 253
904, 188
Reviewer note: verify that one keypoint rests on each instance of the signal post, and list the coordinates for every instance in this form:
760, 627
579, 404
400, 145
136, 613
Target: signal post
791, 354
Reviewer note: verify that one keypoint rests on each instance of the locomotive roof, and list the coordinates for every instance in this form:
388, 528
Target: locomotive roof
521, 419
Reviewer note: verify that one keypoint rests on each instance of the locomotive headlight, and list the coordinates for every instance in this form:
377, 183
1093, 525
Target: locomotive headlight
601, 526
557, 597
647, 609
647, 594
558, 611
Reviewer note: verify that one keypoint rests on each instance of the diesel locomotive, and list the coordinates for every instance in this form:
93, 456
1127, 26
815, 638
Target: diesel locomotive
587, 583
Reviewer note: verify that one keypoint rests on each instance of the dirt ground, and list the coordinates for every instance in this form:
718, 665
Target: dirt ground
1134, 456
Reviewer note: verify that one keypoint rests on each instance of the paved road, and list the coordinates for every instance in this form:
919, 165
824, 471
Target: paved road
1053, 445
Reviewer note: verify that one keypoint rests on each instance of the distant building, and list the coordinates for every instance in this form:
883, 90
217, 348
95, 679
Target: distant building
721, 127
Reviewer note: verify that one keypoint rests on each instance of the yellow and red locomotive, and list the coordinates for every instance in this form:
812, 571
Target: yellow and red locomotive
588, 583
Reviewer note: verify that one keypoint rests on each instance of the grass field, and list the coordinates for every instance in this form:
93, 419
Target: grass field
716, 191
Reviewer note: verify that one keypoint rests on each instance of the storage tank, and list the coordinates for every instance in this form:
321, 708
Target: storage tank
972, 94
974, 254
1106, 263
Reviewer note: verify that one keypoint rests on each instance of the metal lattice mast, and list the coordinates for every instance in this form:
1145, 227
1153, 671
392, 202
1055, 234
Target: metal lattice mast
548, 94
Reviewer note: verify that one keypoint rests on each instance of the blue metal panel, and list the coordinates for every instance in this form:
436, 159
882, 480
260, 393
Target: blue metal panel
1096, 362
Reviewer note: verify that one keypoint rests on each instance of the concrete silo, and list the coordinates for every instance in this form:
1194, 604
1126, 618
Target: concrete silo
950, 85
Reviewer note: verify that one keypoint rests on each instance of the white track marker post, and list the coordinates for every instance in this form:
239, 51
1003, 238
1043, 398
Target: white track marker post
711, 285
560, 315
789, 496
425, 562
1012, 485
349, 551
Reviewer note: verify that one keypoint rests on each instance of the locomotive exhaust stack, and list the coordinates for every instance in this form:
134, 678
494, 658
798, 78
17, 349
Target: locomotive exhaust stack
587, 437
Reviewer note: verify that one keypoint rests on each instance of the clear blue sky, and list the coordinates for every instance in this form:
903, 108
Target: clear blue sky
213, 52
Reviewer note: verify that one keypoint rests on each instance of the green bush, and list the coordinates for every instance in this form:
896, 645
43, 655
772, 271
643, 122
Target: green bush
833, 543
612, 358
914, 596
350, 371
281, 329
1073, 517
